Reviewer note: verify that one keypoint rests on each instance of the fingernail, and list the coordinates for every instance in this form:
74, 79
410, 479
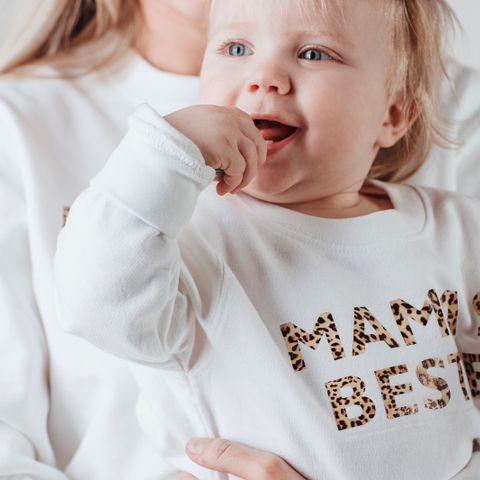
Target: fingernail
196, 445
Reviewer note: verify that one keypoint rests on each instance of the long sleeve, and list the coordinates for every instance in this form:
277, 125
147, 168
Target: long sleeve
121, 282
25, 449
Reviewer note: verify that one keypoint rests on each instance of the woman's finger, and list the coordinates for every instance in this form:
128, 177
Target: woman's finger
239, 460
187, 476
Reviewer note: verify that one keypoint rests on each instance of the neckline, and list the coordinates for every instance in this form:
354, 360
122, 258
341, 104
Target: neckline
140, 82
407, 219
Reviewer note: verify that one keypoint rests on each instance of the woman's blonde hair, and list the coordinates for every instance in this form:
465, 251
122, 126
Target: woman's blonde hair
83, 35
75, 35
420, 37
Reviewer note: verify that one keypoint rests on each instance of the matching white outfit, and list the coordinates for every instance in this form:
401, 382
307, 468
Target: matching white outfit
66, 408
349, 347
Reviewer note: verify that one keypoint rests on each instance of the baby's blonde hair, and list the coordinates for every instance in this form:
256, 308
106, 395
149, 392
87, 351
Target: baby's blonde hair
420, 35
76, 36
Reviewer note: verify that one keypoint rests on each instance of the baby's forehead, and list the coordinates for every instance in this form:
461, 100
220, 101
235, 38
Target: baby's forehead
310, 14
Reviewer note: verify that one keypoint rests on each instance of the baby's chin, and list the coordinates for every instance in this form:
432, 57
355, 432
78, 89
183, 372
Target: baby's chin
267, 189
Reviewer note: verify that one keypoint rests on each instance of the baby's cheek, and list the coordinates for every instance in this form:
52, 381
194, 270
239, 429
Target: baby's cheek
217, 87
204, 93
211, 93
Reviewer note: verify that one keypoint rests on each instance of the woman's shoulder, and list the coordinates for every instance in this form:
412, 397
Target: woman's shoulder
444, 196
459, 98
451, 208
41, 91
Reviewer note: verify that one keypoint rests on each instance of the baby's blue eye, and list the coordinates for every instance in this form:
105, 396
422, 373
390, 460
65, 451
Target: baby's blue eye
315, 55
238, 50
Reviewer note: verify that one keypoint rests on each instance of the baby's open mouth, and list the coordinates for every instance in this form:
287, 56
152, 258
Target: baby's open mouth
274, 131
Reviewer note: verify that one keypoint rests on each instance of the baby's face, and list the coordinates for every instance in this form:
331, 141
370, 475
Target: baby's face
324, 80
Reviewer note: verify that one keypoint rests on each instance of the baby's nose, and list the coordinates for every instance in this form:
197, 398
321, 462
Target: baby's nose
269, 82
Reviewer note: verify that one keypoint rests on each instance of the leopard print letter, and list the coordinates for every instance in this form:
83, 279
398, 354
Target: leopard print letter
451, 300
403, 312
476, 307
293, 335
473, 375
476, 303
435, 383
339, 403
455, 358
360, 338
389, 392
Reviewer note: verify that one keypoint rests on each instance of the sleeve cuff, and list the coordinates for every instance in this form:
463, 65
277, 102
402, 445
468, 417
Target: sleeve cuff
156, 173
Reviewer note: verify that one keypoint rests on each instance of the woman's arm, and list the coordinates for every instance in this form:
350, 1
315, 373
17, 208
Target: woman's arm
25, 449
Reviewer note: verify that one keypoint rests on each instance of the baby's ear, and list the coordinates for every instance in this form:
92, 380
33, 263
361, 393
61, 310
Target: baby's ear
398, 119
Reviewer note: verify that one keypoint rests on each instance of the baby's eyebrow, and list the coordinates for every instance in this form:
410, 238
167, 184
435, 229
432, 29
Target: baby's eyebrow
337, 36
245, 26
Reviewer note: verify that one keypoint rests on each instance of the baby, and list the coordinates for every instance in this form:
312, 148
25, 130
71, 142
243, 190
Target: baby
322, 311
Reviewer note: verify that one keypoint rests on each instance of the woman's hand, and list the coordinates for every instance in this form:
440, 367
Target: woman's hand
239, 460
228, 140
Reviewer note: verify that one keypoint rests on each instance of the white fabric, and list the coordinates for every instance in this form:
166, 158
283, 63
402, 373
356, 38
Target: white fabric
67, 410
154, 267
457, 168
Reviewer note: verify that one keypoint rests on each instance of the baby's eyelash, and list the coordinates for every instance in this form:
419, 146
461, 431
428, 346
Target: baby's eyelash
224, 45
221, 49
330, 55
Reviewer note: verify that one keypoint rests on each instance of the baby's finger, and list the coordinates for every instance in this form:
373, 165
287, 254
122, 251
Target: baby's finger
262, 152
250, 153
233, 173
248, 128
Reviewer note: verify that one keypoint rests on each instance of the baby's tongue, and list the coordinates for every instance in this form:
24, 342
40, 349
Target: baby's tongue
274, 131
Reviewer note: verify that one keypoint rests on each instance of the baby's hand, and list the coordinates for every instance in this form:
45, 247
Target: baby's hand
228, 140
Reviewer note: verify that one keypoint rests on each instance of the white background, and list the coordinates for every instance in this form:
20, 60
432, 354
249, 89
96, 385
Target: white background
467, 44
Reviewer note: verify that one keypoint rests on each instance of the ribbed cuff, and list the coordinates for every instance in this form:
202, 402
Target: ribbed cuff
156, 172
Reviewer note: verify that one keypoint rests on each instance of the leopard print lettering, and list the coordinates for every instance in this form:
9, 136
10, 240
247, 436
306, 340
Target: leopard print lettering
435, 383
293, 335
402, 312
455, 358
473, 376
476, 303
339, 403
451, 300
476, 307
389, 392
360, 338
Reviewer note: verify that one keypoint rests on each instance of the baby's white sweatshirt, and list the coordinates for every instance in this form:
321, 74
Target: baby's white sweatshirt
349, 347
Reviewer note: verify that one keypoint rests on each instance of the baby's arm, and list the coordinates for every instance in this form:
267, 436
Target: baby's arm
120, 280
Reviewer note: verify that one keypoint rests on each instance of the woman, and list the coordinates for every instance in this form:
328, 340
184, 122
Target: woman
70, 80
